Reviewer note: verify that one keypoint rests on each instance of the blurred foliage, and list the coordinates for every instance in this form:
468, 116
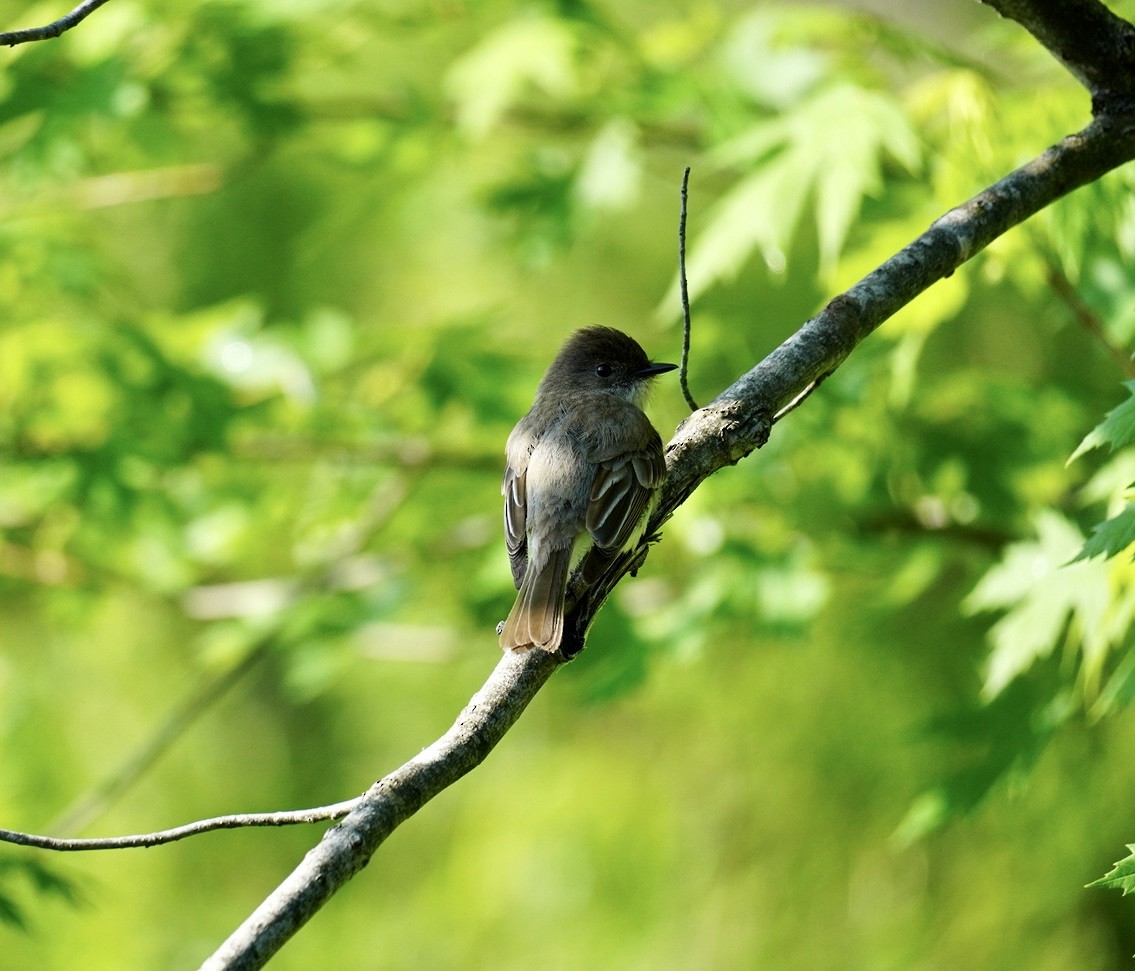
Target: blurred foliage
276, 281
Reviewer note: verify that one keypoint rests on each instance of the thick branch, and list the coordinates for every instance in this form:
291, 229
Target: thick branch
13, 37
1093, 43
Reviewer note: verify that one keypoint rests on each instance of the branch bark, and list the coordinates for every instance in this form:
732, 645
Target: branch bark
1096, 46
13, 37
347, 847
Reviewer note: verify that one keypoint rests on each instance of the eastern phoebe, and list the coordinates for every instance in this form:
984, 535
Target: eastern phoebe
584, 462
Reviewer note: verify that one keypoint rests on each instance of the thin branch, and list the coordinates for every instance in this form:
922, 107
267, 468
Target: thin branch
798, 400
13, 37
738, 421
295, 817
683, 371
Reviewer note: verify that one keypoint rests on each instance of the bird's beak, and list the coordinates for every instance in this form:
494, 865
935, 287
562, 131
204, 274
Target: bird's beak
653, 369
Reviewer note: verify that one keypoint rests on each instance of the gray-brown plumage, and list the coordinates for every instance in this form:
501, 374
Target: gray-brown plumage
584, 461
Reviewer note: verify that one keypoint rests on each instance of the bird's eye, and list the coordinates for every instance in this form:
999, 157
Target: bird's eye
603, 370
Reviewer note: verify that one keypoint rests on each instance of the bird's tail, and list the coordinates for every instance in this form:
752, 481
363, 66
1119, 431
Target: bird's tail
537, 617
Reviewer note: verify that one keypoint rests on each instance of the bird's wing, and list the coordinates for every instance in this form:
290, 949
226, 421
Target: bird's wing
515, 493
621, 490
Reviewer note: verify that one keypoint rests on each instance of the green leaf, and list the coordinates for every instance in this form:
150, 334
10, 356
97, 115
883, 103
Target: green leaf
527, 53
1048, 597
987, 743
829, 148
1117, 429
1121, 876
1111, 536
11, 913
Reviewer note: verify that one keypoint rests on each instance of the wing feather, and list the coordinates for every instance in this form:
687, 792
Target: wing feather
621, 491
515, 491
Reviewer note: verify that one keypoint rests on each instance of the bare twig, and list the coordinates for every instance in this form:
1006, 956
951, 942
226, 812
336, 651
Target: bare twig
13, 37
683, 372
295, 817
798, 400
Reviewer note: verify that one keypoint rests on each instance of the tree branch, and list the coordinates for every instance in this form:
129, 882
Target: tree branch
1095, 45
13, 37
347, 848
740, 419
294, 817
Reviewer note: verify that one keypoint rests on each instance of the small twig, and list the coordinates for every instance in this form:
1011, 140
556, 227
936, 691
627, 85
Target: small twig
13, 37
799, 399
295, 817
682, 371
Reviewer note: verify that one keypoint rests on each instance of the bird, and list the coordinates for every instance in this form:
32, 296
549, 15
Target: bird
584, 463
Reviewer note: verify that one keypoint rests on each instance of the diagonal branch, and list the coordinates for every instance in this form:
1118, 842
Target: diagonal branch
13, 37
740, 419
347, 848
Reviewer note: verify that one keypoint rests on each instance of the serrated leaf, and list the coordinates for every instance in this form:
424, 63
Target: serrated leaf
829, 148
1111, 483
1117, 429
1121, 876
761, 212
1111, 536
860, 128
1047, 598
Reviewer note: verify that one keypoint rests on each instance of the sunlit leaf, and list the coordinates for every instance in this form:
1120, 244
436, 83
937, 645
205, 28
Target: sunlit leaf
1112, 536
829, 149
1122, 876
527, 53
611, 171
1048, 596
1116, 430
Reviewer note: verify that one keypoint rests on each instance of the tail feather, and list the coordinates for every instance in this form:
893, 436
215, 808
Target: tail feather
537, 617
